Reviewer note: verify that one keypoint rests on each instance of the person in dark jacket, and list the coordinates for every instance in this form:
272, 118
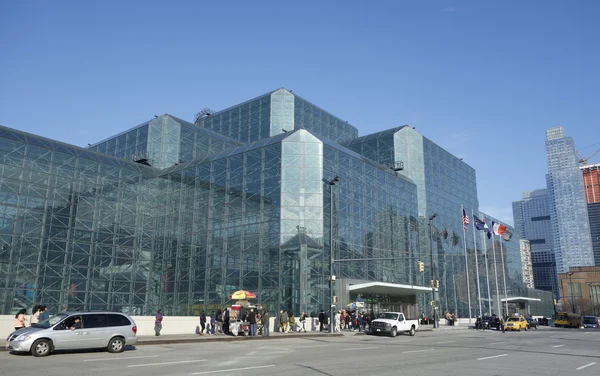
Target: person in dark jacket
226, 322
321, 320
202, 322
252, 322
265, 321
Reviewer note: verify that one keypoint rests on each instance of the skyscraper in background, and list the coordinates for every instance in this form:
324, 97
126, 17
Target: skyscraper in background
532, 221
591, 183
568, 208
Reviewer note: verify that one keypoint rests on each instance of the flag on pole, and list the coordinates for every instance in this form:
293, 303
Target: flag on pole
506, 235
487, 230
465, 220
478, 223
498, 228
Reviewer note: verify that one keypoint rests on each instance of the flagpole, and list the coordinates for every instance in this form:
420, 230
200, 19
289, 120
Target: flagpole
504, 275
476, 265
496, 274
466, 262
487, 273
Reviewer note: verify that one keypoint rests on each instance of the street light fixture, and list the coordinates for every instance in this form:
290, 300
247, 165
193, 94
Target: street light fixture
570, 274
433, 284
331, 183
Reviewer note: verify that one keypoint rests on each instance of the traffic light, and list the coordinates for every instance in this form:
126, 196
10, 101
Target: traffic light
432, 283
421, 266
437, 283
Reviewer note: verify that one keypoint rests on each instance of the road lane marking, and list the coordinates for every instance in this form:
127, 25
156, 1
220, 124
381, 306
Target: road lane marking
115, 358
492, 357
166, 363
232, 369
415, 351
361, 348
445, 342
311, 347
558, 346
496, 343
586, 366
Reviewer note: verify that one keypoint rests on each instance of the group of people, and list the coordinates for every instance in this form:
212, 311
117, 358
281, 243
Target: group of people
220, 321
450, 319
39, 317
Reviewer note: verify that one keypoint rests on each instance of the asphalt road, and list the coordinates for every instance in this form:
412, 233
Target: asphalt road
548, 351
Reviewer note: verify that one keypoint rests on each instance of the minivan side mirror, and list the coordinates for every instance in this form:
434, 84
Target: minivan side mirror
61, 326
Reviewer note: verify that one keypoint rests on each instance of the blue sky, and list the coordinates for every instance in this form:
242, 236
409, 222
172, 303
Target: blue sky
483, 79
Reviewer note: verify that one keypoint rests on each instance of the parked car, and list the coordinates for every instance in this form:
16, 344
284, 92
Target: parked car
76, 330
486, 322
532, 323
516, 323
591, 322
393, 323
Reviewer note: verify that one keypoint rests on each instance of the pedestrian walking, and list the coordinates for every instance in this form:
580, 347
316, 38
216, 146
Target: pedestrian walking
265, 321
158, 323
291, 321
35, 315
303, 322
226, 321
212, 322
321, 320
202, 322
502, 323
20, 319
44, 319
283, 321
252, 321
219, 321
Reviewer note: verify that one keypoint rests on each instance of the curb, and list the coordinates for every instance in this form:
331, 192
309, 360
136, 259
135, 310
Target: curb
220, 339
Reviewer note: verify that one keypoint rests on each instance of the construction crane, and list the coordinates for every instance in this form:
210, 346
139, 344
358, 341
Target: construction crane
584, 160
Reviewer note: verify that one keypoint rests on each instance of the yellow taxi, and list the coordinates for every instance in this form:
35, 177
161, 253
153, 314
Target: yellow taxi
515, 323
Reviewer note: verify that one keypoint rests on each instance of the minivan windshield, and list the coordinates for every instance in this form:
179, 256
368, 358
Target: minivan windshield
53, 320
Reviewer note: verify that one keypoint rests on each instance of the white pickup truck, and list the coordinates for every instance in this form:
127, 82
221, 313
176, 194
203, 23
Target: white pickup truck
393, 322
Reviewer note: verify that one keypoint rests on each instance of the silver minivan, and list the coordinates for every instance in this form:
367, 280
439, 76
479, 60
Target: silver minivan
74, 331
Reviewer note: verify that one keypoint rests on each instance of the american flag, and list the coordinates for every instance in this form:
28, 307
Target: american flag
465, 220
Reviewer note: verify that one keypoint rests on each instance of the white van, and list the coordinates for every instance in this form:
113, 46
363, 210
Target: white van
74, 331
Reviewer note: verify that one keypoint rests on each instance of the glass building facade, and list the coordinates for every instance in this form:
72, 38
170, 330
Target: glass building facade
532, 222
177, 216
568, 208
446, 185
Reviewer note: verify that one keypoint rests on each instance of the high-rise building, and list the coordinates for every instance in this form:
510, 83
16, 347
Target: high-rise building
260, 196
526, 263
591, 183
568, 208
532, 221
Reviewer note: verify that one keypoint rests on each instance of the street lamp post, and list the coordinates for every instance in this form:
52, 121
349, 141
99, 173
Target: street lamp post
433, 283
570, 274
591, 297
331, 183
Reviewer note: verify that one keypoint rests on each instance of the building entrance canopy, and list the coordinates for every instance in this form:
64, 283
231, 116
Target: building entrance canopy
390, 289
521, 300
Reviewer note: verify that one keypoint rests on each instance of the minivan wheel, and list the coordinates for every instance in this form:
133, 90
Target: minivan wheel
41, 347
116, 345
